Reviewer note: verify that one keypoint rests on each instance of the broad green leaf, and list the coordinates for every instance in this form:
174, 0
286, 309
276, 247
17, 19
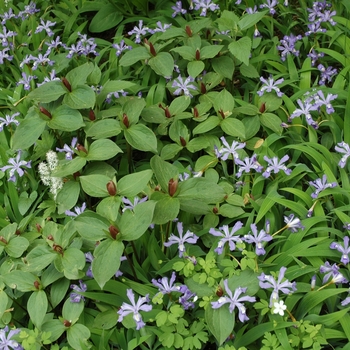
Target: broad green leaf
131, 185
133, 108
224, 103
167, 208
164, 171
28, 131
17, 246
78, 75
81, 97
95, 185
207, 125
48, 92
249, 71
210, 51
198, 144
37, 307
141, 138
194, 68
58, 290
107, 260
65, 118
186, 52
68, 196
106, 18
233, 127
170, 151
72, 311
54, 327
102, 149
90, 228
179, 104
134, 55
4, 300
73, 262
224, 65
25, 201
133, 224
69, 167
272, 121
109, 208
241, 49
77, 336
21, 280
103, 129
162, 64
250, 19
39, 257
230, 211
177, 130
106, 319
247, 279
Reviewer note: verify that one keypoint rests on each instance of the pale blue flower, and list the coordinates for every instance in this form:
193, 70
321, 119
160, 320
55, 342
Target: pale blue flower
257, 238
320, 185
344, 249
227, 235
6, 343
76, 297
16, 167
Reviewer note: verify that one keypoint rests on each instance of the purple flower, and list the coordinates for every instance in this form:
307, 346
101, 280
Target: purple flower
134, 308
327, 15
5, 55
140, 30
116, 94
314, 56
52, 77
6, 35
270, 85
321, 100
293, 224
234, 301
257, 238
165, 285
226, 151
247, 165
346, 301
183, 86
15, 167
205, 5
5, 340
84, 46
160, 28
305, 110
26, 80
178, 9
41, 59
270, 5
121, 47
77, 210
288, 46
320, 185
188, 298
69, 149
276, 165
326, 73
227, 236
129, 205
332, 271
9, 119
45, 26
286, 287
345, 250
251, 10
76, 297
54, 44
343, 147
189, 237
7, 15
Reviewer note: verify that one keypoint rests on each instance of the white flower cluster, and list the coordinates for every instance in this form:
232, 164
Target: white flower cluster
45, 171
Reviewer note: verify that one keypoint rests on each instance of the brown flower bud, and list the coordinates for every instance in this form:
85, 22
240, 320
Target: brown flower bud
18, 232
167, 112
215, 210
183, 141
125, 120
262, 108
3, 240
222, 114
36, 284
45, 111
76, 174
113, 231
188, 31
195, 112
203, 88
172, 186
38, 227
198, 55
81, 148
111, 188
50, 237
219, 291
92, 115
152, 50
66, 323
57, 248
66, 84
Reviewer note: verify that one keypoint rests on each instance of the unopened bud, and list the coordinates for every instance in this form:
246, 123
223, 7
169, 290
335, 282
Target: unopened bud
167, 112
188, 31
183, 141
262, 108
57, 248
215, 210
172, 186
92, 115
113, 231
222, 114
203, 88
219, 291
18, 232
3, 240
125, 120
66, 323
76, 175
198, 55
38, 227
66, 84
50, 237
45, 111
81, 148
195, 112
313, 282
111, 188
152, 50
36, 284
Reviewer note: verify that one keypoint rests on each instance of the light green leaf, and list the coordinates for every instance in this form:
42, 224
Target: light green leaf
141, 138
133, 109
131, 57
131, 185
37, 307
170, 151
17, 246
90, 228
77, 336
39, 257
241, 49
72, 311
78, 75
95, 185
233, 127
162, 64
194, 68
210, 51
224, 65
167, 208
102, 149
73, 262
109, 207
103, 129
21, 280
250, 19
81, 97
48, 92
25, 201
272, 121
106, 18
66, 118
68, 196
164, 171
69, 167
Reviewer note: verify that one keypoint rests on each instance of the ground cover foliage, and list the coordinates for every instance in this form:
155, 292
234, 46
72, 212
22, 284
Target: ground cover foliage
174, 175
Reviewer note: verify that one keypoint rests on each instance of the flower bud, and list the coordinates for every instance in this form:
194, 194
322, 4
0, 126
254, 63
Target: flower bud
195, 112
125, 120
152, 50
92, 115
262, 108
113, 231
183, 141
38, 227
18, 233
172, 186
219, 291
50, 237
66, 84
3, 240
45, 111
76, 175
111, 188
36, 285
215, 210
57, 248
203, 88
66, 323
167, 112
188, 31
198, 55
81, 148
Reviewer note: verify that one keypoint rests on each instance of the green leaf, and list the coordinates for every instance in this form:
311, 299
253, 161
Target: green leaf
210, 51
247, 279
220, 322
73, 262
112, 86
107, 260
28, 131
17, 246
77, 336
195, 68
80, 98
250, 19
58, 291
37, 307
167, 208
224, 65
224, 103
233, 127
102, 149
90, 228
249, 71
162, 64
170, 151
206, 125
131, 185
106, 319
109, 208
72, 311
65, 118
241, 49
48, 92
230, 211
131, 57
24, 202
186, 52
95, 185
141, 138
21, 280
78, 75
164, 171
69, 167
106, 18
103, 129
133, 108
68, 196
272, 121
133, 224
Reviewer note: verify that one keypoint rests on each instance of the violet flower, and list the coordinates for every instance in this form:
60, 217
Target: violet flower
344, 249
140, 30
165, 285
183, 86
321, 100
128, 205
257, 238
134, 308
293, 223
45, 26
227, 235
269, 85
305, 110
189, 237
276, 165
188, 298
5, 35
228, 150
77, 210
178, 9
314, 56
160, 28
76, 297
16, 167
205, 5
333, 272
343, 147
326, 74
248, 164
320, 185
26, 80
270, 5
121, 47
234, 301
4, 55
6, 342
287, 45
9, 119
69, 149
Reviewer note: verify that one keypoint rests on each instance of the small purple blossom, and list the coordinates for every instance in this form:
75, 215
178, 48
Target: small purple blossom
276, 165
178, 9
270, 85
121, 47
45, 26
268, 281
314, 56
26, 80
69, 150
228, 150
320, 185
54, 44
7, 15
140, 30
257, 238
41, 59
314, 28
4, 55
305, 109
287, 45
248, 164
5, 35
116, 94
165, 285
252, 10
84, 46
344, 249
183, 86
160, 28
227, 235
332, 271
77, 210
293, 224
51, 77
205, 5
187, 298
134, 308
9, 119
326, 74
76, 297
343, 148
6, 342
234, 301
128, 205
270, 5
16, 167
189, 237
321, 100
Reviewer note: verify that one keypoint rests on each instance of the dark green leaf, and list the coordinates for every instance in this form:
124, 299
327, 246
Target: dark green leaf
106, 18
241, 49
48, 92
131, 185
102, 149
80, 98
141, 138
162, 64
37, 307
103, 129
66, 118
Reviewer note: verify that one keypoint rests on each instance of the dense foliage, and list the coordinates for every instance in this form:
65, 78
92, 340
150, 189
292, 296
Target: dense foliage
174, 174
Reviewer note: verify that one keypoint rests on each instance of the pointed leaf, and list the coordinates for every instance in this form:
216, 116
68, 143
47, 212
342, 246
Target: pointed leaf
66, 118
162, 64
48, 92
95, 185
241, 49
80, 98
37, 307
102, 149
131, 185
141, 138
